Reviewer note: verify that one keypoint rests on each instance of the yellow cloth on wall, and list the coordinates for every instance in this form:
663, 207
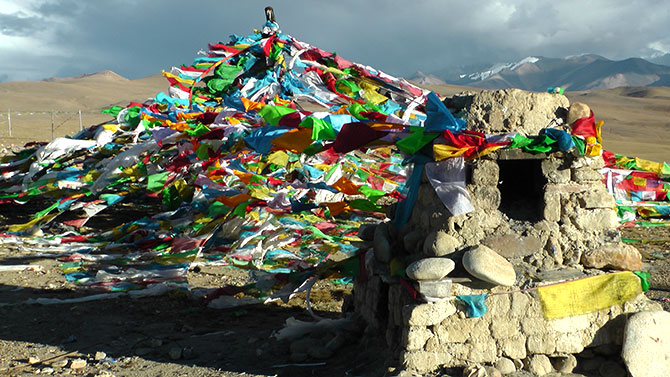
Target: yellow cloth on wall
589, 294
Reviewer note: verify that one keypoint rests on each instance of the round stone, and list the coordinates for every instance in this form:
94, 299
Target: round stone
485, 264
430, 269
646, 344
577, 111
439, 244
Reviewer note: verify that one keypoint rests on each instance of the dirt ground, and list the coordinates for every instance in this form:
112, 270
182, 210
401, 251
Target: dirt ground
175, 335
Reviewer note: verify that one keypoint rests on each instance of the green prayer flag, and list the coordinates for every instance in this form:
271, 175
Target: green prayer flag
540, 144
217, 208
45, 211
155, 182
579, 144
272, 113
198, 130
113, 111
241, 209
132, 116
363, 175
372, 194
415, 141
321, 130
203, 152
519, 141
355, 110
365, 205
228, 72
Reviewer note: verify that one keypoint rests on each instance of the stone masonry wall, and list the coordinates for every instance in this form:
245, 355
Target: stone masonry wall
426, 336
562, 225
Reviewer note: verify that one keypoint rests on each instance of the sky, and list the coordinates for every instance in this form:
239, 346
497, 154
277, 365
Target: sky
137, 38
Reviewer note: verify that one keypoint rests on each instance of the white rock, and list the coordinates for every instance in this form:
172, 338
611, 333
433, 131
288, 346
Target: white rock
440, 243
485, 264
646, 344
565, 364
430, 269
433, 290
78, 364
539, 365
505, 365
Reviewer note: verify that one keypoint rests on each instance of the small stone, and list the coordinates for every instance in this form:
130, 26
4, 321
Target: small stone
617, 256
78, 364
430, 269
612, 369
427, 314
59, 363
33, 360
577, 111
564, 364
382, 244
155, 343
485, 264
646, 344
539, 365
474, 370
367, 231
513, 245
435, 289
175, 353
47, 370
413, 241
505, 365
99, 356
439, 244
492, 372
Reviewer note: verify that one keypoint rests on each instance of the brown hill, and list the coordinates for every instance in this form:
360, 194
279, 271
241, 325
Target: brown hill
636, 118
637, 121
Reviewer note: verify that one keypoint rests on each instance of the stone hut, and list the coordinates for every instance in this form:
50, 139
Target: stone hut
536, 219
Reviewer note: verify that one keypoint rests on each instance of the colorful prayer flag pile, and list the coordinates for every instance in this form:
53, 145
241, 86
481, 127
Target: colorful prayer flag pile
244, 173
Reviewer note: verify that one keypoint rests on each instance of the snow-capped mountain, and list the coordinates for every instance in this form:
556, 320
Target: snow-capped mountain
578, 72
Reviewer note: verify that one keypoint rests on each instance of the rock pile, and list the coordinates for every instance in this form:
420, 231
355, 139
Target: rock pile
537, 219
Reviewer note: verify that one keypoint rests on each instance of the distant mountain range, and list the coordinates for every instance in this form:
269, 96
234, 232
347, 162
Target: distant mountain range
574, 73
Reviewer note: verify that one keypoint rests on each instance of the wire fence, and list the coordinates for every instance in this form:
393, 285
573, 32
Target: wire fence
18, 127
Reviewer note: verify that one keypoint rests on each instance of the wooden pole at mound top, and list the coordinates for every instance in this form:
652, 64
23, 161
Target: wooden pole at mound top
9, 120
81, 126
52, 125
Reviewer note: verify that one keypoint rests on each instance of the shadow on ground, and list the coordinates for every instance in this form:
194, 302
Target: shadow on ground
171, 330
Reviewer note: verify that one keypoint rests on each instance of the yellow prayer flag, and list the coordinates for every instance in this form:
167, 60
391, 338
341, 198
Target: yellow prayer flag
442, 151
34, 222
646, 165
589, 294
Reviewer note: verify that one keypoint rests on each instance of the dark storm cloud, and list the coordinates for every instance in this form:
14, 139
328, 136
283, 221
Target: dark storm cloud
19, 24
138, 38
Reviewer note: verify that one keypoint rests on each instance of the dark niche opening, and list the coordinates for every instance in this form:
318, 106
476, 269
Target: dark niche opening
521, 184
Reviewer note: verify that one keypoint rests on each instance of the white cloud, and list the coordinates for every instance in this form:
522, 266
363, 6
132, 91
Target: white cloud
138, 38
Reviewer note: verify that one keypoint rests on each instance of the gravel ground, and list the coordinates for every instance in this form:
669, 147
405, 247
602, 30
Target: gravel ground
174, 335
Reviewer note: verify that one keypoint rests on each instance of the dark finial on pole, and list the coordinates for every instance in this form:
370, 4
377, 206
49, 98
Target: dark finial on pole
270, 14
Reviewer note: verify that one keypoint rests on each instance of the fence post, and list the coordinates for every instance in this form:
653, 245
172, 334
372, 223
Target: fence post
52, 125
9, 120
81, 126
